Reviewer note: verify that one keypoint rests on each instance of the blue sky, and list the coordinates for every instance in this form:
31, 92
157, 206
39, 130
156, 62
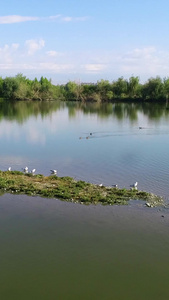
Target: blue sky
84, 40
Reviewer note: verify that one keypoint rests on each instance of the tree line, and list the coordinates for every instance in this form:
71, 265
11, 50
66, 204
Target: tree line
22, 88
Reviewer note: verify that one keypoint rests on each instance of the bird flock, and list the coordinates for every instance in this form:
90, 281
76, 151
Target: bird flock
132, 186
54, 172
26, 171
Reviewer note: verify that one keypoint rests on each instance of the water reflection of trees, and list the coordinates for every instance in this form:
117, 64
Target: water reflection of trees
21, 111
121, 110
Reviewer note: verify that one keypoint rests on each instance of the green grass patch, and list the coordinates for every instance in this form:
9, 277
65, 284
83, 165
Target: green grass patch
68, 189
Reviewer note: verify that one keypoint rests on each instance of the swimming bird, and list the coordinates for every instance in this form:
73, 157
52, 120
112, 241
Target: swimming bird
9, 169
53, 172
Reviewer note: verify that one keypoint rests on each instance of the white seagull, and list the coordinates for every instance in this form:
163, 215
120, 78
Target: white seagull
33, 171
25, 169
9, 169
53, 172
134, 185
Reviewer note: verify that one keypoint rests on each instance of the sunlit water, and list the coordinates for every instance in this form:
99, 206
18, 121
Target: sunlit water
56, 250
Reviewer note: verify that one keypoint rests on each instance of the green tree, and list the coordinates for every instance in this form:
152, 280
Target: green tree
58, 92
46, 92
133, 87
109, 95
10, 86
23, 91
74, 91
104, 87
120, 87
35, 89
1, 87
153, 89
88, 90
166, 88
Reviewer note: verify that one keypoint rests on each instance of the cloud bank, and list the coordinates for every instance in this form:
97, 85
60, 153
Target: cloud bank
34, 57
18, 19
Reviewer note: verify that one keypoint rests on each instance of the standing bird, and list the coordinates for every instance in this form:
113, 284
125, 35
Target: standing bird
135, 184
33, 171
54, 172
25, 169
9, 169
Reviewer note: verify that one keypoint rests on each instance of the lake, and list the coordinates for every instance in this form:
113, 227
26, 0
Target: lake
57, 250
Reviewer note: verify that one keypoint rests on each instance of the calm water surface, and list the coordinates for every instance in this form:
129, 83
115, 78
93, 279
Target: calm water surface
56, 250
92, 142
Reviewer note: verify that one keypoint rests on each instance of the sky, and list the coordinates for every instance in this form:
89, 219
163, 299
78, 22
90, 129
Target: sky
84, 41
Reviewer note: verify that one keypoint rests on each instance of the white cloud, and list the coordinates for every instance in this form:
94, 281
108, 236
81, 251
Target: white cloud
53, 53
53, 17
34, 45
76, 19
139, 54
144, 62
7, 52
5, 56
67, 19
16, 19
56, 68
41, 68
15, 46
94, 67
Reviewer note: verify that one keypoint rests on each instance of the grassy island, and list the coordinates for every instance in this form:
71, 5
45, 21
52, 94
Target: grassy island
68, 189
